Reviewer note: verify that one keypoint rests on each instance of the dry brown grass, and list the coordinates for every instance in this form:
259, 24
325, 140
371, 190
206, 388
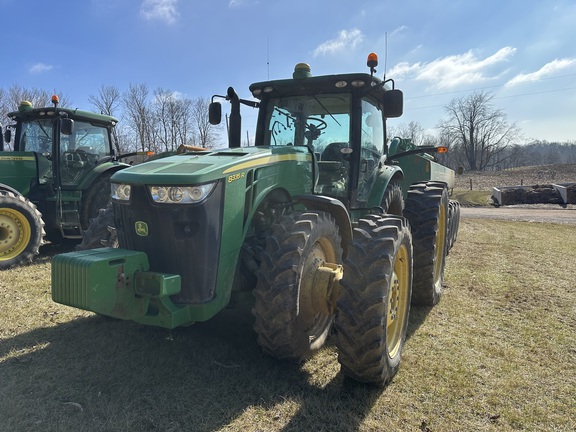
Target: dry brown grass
497, 354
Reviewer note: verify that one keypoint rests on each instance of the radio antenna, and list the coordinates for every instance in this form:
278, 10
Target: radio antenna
385, 54
268, 56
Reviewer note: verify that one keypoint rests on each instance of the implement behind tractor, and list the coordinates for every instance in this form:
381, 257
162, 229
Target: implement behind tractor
320, 220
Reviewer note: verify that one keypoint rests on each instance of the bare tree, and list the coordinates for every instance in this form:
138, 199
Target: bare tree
37, 97
413, 131
171, 119
108, 102
137, 113
478, 133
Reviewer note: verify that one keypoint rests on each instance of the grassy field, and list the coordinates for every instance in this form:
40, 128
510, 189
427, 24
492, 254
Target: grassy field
497, 354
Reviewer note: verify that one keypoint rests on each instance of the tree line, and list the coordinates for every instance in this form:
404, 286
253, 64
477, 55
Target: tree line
158, 120
480, 138
478, 134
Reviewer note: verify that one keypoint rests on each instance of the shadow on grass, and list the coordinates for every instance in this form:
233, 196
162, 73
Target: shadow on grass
97, 374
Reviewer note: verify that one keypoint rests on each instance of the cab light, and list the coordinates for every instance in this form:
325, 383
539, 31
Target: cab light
121, 191
372, 60
442, 149
358, 83
341, 84
181, 194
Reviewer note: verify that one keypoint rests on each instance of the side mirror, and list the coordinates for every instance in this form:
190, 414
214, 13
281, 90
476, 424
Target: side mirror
215, 113
66, 126
393, 103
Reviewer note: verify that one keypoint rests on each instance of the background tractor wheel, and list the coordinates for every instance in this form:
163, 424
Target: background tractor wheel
393, 200
95, 198
101, 232
427, 211
292, 314
21, 230
374, 303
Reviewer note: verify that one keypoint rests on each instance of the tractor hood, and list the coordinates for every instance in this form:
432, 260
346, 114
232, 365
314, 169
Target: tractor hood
208, 166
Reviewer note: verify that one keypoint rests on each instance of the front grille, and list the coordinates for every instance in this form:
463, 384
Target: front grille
182, 239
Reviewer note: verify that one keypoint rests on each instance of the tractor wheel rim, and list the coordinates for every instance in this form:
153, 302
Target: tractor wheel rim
15, 233
398, 302
440, 246
314, 320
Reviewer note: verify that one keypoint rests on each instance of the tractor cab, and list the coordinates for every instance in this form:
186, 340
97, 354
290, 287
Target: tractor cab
67, 144
339, 118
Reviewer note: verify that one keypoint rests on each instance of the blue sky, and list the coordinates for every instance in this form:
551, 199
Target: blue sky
524, 52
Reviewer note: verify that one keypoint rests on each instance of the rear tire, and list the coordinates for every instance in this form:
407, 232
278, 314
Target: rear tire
374, 303
21, 230
292, 316
101, 232
454, 223
427, 211
393, 200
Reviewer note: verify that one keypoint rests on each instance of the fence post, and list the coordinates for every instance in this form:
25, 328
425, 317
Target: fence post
470, 184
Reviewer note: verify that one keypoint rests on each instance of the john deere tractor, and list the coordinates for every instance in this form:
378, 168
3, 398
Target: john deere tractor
56, 178
315, 219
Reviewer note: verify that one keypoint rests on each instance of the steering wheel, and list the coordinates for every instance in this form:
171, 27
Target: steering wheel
317, 124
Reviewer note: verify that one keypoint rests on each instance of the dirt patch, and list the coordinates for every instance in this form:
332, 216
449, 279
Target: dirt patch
545, 213
527, 176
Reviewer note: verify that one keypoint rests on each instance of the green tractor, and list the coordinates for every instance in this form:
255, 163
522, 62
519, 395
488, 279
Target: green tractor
315, 220
56, 178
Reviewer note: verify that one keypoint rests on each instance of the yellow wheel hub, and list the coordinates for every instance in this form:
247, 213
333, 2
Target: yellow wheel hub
398, 302
15, 233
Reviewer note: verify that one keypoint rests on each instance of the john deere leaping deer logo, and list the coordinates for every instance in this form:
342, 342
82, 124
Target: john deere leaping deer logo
141, 228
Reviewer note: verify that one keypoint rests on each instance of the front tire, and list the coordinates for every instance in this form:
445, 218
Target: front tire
427, 211
96, 197
292, 315
21, 230
374, 303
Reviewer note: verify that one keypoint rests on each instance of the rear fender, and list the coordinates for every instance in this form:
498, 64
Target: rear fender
388, 174
4, 187
106, 167
336, 209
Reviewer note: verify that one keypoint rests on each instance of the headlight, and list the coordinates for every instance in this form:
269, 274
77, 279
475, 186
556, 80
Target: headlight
180, 194
120, 191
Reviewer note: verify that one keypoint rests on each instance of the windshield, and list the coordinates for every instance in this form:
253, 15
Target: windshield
315, 121
36, 136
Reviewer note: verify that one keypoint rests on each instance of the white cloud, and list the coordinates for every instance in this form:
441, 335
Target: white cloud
398, 30
545, 71
346, 39
39, 68
161, 10
453, 71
